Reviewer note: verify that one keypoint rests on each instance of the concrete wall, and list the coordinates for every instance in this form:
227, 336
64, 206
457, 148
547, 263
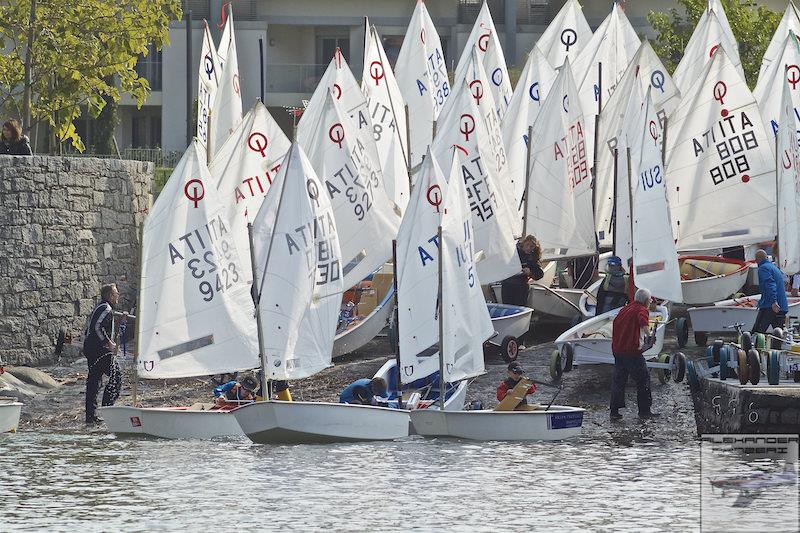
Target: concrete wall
67, 226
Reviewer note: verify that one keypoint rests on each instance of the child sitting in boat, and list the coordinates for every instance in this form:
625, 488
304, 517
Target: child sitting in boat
363, 391
514, 373
236, 391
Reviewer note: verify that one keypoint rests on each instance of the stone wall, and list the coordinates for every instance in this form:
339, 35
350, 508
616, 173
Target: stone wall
67, 226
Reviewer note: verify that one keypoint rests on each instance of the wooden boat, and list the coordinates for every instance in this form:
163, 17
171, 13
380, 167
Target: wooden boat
10, 410
708, 279
556, 423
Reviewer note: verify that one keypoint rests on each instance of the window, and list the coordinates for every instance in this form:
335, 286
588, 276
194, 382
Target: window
329, 46
149, 67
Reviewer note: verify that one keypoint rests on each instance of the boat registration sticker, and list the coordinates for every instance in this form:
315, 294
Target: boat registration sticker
136, 422
565, 420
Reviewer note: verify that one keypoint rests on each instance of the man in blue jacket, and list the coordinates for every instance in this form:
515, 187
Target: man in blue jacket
773, 305
363, 391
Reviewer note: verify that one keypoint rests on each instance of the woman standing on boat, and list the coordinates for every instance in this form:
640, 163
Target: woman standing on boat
515, 289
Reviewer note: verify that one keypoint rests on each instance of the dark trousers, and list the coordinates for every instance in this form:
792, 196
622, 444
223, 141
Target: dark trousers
766, 318
514, 290
635, 366
99, 365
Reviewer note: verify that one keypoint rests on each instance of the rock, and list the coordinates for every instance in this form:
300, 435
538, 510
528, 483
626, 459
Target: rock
33, 376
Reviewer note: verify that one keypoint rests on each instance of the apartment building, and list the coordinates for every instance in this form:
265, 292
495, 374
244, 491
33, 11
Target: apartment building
298, 38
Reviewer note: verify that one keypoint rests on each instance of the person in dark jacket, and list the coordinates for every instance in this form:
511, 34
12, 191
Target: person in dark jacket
514, 374
515, 289
363, 391
12, 141
100, 351
773, 305
630, 338
613, 291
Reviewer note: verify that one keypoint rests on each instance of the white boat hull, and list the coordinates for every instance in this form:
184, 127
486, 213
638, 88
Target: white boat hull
277, 422
9, 415
365, 330
597, 350
557, 423
558, 303
170, 423
454, 403
509, 321
721, 315
712, 289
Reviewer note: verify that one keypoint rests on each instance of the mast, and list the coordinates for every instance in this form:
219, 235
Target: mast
440, 308
664, 144
527, 182
596, 142
397, 325
630, 213
138, 318
260, 286
614, 208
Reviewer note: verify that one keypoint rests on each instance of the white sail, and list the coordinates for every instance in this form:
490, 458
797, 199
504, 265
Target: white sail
768, 92
655, 259
721, 186
535, 80
225, 39
789, 22
418, 273
465, 318
566, 35
196, 309
226, 109
709, 33
559, 209
421, 74
470, 124
645, 70
244, 169
346, 162
610, 50
208, 80
485, 39
388, 114
788, 185
299, 271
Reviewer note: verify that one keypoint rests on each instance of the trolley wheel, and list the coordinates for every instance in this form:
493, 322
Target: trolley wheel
742, 369
60, 341
663, 374
760, 341
723, 363
774, 367
556, 369
746, 341
567, 357
682, 331
716, 348
776, 344
700, 338
678, 367
691, 375
753, 366
509, 349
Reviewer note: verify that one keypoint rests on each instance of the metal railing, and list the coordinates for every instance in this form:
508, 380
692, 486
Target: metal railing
294, 78
528, 11
157, 156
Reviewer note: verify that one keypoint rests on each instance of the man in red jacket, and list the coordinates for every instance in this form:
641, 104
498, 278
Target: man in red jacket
630, 338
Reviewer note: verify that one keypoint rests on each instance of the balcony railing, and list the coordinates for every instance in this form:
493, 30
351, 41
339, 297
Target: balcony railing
294, 78
528, 11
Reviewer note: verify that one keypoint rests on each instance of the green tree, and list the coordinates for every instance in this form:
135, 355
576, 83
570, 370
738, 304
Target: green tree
61, 57
752, 26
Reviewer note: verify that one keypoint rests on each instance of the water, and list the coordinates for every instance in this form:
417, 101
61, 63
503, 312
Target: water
628, 480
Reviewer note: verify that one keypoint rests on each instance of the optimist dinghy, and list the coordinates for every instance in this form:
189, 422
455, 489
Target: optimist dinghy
298, 298
708, 279
210, 332
721, 316
10, 410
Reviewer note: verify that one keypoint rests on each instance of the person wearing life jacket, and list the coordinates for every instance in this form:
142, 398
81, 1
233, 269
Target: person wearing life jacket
100, 351
237, 391
515, 289
773, 305
363, 391
613, 291
513, 375
630, 338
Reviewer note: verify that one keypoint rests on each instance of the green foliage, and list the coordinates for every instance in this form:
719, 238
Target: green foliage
83, 54
160, 178
752, 26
